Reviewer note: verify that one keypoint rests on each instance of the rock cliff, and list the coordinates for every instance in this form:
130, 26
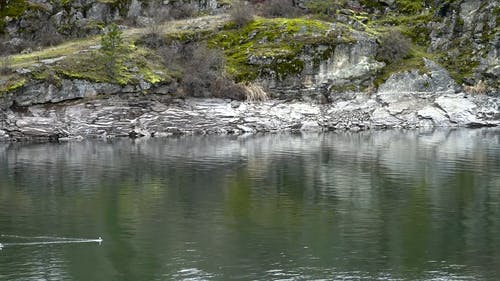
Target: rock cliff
310, 73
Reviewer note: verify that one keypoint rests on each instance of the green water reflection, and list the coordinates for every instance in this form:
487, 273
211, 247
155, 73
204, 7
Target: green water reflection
365, 206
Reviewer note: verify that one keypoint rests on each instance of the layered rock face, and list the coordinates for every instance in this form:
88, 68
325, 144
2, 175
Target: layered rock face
400, 103
116, 117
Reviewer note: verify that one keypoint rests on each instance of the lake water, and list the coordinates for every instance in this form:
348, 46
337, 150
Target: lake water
384, 205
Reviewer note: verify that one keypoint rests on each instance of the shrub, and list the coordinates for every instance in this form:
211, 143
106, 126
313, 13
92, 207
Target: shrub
184, 10
202, 67
170, 56
241, 13
157, 14
324, 7
202, 71
279, 8
393, 46
152, 40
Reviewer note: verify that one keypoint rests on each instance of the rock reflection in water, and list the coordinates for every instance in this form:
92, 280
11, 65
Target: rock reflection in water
369, 205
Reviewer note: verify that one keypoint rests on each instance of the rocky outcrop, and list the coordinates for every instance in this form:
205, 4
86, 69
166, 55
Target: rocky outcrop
43, 93
128, 116
81, 109
351, 64
467, 34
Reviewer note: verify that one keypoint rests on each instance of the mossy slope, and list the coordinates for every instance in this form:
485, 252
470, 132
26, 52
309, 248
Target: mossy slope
274, 46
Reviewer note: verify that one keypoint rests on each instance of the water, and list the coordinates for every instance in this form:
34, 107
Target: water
391, 205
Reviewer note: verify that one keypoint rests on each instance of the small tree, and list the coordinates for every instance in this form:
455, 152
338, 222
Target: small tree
393, 47
241, 13
111, 48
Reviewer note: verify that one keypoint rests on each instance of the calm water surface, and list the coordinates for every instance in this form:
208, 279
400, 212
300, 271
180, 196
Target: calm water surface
364, 206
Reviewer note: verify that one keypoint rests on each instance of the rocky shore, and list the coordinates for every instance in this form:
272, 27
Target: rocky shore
80, 109
118, 116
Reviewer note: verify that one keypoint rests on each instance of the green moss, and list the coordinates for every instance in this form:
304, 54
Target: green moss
414, 61
41, 73
150, 67
408, 64
13, 9
414, 26
371, 4
86, 67
223, 3
410, 7
274, 46
12, 83
496, 12
460, 66
132, 66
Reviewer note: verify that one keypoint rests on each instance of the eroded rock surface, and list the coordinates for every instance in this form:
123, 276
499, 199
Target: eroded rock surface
138, 116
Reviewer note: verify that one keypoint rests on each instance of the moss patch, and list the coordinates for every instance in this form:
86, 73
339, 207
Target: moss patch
134, 65
13, 9
273, 46
414, 61
11, 83
413, 26
459, 64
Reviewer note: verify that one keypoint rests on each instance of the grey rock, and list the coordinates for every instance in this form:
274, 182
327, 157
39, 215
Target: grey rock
144, 85
3, 135
99, 12
235, 104
388, 2
134, 9
435, 80
383, 118
436, 115
310, 126
458, 109
246, 129
53, 60
494, 71
40, 93
23, 70
349, 62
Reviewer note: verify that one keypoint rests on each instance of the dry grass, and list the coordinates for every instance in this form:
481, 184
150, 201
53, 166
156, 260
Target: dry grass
479, 89
255, 93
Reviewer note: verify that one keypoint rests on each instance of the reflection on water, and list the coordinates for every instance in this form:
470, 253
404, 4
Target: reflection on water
365, 206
